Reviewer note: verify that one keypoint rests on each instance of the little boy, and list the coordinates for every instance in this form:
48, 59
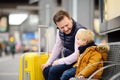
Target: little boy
89, 53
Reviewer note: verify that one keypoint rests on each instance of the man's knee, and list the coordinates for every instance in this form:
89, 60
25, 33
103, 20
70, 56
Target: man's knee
45, 72
53, 70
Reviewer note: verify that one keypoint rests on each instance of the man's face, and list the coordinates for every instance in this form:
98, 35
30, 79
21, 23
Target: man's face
65, 25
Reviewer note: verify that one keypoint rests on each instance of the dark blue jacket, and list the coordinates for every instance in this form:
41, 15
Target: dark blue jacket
68, 40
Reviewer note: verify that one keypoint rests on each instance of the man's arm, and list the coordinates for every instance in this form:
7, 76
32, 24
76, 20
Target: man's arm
56, 49
72, 58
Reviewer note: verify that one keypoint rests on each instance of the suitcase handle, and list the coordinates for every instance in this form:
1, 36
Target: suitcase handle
39, 37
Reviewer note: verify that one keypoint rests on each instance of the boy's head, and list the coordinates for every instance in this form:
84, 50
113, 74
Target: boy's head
84, 36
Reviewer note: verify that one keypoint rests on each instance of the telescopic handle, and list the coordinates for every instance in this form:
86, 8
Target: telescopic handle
39, 36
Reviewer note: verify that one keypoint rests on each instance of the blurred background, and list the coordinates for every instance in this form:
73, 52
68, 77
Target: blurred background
19, 21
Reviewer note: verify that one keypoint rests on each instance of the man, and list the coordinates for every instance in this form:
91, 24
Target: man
67, 29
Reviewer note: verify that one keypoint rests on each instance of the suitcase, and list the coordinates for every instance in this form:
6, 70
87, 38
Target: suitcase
30, 65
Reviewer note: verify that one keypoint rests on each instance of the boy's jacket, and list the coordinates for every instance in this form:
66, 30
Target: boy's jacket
90, 56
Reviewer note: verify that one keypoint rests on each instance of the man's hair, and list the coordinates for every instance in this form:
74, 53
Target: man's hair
85, 35
60, 15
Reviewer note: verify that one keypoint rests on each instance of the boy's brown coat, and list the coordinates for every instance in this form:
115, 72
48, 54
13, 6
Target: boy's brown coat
92, 55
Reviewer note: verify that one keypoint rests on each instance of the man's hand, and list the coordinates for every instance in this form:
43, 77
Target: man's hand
44, 66
55, 63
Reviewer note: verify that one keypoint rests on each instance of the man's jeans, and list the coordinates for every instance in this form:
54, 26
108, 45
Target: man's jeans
55, 72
